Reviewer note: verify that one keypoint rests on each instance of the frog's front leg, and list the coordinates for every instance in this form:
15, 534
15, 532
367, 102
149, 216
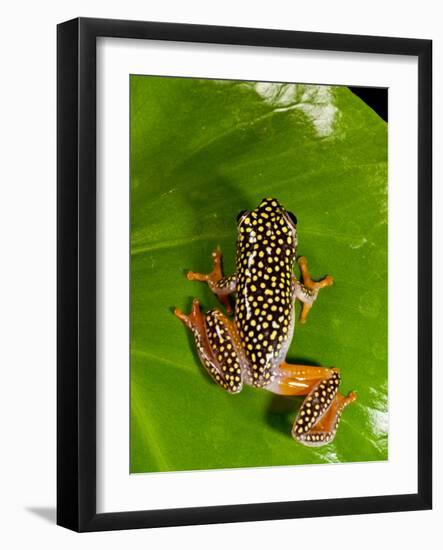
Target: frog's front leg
220, 286
218, 346
307, 291
318, 418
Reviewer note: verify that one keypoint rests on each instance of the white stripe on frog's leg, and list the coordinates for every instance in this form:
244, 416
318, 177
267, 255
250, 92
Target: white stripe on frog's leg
317, 420
297, 379
217, 346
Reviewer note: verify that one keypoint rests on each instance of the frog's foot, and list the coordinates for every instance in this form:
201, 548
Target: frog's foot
307, 291
217, 346
221, 286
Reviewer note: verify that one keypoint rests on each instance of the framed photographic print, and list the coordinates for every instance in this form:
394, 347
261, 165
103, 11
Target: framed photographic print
244, 274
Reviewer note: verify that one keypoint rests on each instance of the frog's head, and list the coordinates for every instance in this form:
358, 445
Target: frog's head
270, 221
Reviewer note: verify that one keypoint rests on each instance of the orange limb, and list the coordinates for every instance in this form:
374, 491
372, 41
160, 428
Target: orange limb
297, 379
215, 280
217, 345
312, 287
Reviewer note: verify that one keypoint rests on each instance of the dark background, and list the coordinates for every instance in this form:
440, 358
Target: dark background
376, 98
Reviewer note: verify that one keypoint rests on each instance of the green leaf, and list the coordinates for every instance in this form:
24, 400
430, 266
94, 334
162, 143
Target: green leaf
201, 151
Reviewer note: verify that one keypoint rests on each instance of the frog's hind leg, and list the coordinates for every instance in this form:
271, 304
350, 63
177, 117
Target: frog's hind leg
220, 286
324, 429
217, 346
318, 418
307, 291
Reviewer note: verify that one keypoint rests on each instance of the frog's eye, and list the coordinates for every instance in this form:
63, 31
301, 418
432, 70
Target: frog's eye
241, 215
293, 218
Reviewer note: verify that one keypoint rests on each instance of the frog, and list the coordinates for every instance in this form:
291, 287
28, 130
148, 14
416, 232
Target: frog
248, 345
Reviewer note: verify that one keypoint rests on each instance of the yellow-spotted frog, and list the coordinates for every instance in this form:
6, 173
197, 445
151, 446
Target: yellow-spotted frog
251, 348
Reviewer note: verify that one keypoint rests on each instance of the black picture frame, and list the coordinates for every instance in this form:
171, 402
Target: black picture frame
76, 265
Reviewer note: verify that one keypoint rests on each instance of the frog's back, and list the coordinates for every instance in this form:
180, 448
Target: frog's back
264, 309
